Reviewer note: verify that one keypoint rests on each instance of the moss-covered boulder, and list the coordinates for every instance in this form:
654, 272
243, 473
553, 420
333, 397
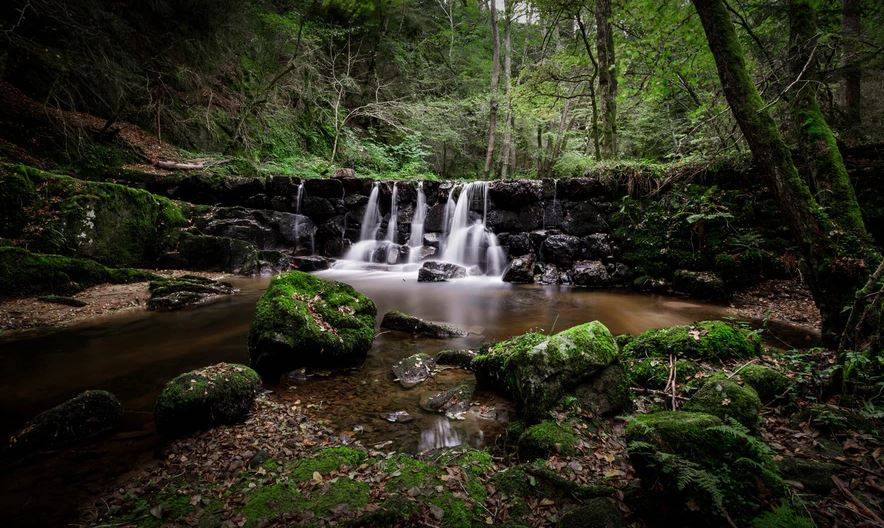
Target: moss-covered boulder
727, 399
653, 372
814, 475
769, 383
302, 320
215, 395
606, 393
547, 438
706, 340
413, 370
703, 471
536, 370
596, 513
85, 416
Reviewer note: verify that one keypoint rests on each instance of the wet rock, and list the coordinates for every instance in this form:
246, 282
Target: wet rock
216, 395
597, 512
519, 244
310, 263
85, 416
520, 270
513, 194
590, 273
324, 187
549, 274
432, 239
563, 250
700, 284
440, 272
413, 370
63, 300
273, 260
304, 321
452, 402
213, 253
403, 322
525, 219
727, 399
456, 358
398, 417
619, 273
181, 292
583, 218
645, 283
606, 393
434, 221
599, 245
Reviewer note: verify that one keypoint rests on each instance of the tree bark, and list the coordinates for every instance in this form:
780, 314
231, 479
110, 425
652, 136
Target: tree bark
492, 99
508, 148
591, 85
850, 27
836, 268
607, 77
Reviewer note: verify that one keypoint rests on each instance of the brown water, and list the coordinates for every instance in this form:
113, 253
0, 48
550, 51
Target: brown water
134, 354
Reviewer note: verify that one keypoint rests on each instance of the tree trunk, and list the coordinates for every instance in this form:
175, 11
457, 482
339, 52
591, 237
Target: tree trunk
508, 149
592, 94
850, 27
607, 77
492, 100
835, 269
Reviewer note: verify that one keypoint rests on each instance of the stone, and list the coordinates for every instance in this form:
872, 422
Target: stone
546, 438
413, 370
220, 394
562, 250
519, 244
727, 399
606, 393
403, 322
456, 358
87, 415
432, 240
598, 512
514, 194
699, 284
590, 273
583, 218
814, 475
769, 383
599, 245
213, 253
398, 417
520, 270
704, 340
433, 271
310, 263
549, 274
176, 293
452, 402
304, 321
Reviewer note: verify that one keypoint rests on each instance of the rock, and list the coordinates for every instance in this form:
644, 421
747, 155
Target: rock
599, 245
345, 173
549, 274
61, 299
452, 402
590, 273
645, 283
563, 250
175, 293
398, 417
597, 512
310, 263
519, 244
525, 219
273, 261
432, 240
219, 394
513, 194
606, 393
770, 384
536, 370
84, 416
403, 322
814, 475
582, 218
726, 399
213, 253
700, 284
304, 321
706, 340
546, 438
413, 370
653, 372
520, 270
619, 273
457, 358
325, 187
440, 272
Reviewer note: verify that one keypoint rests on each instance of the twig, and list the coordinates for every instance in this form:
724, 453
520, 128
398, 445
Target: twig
744, 365
865, 509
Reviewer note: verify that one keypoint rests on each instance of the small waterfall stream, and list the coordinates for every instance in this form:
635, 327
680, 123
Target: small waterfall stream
416, 237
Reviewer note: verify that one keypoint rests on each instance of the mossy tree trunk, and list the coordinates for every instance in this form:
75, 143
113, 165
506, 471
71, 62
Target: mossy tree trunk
836, 264
607, 77
493, 102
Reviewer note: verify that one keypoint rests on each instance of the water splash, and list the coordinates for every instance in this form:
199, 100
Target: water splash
470, 243
298, 225
416, 236
393, 227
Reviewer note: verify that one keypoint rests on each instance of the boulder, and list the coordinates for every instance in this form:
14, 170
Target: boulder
514, 194
214, 253
84, 416
520, 270
546, 438
304, 321
219, 394
590, 273
452, 402
563, 250
599, 245
403, 322
456, 358
606, 393
597, 512
519, 244
700, 284
814, 475
413, 370
727, 399
769, 383
536, 370
432, 240
549, 274
582, 218
706, 340
310, 263
175, 293
433, 271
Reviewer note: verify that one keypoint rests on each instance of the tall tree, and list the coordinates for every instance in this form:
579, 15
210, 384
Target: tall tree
850, 24
836, 265
509, 151
607, 77
493, 102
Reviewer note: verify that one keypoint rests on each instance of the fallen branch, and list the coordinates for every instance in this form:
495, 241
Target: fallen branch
178, 165
871, 515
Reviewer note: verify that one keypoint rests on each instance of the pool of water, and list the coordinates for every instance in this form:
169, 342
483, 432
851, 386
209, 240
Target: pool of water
134, 354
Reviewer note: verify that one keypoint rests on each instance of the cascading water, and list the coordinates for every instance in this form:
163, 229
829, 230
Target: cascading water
470, 243
371, 220
393, 227
298, 223
416, 237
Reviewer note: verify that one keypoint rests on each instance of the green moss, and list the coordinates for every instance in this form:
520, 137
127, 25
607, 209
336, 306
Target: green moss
455, 512
728, 400
705, 340
513, 481
270, 501
25, 273
653, 372
326, 461
343, 490
302, 320
547, 438
767, 382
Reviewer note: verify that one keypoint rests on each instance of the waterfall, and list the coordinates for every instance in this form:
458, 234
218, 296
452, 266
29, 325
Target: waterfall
471, 243
368, 231
393, 227
416, 236
297, 226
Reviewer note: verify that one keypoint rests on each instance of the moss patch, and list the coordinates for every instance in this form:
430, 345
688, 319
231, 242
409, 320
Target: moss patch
767, 382
326, 461
728, 400
547, 438
706, 340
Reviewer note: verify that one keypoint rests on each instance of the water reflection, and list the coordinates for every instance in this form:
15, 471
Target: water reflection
439, 434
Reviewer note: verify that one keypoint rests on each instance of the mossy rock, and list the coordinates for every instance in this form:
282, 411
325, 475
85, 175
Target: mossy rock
304, 321
653, 372
814, 475
769, 383
536, 371
217, 253
595, 513
215, 395
327, 460
727, 399
547, 438
606, 393
706, 340
85, 416
25, 273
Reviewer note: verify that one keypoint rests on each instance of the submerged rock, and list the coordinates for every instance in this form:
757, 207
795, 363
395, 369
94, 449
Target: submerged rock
727, 399
310, 263
457, 358
520, 270
440, 272
187, 290
536, 370
413, 370
451, 402
85, 416
215, 395
707, 340
404, 322
304, 321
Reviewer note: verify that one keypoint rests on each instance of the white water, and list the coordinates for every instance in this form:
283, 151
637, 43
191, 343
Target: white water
416, 236
471, 243
297, 227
